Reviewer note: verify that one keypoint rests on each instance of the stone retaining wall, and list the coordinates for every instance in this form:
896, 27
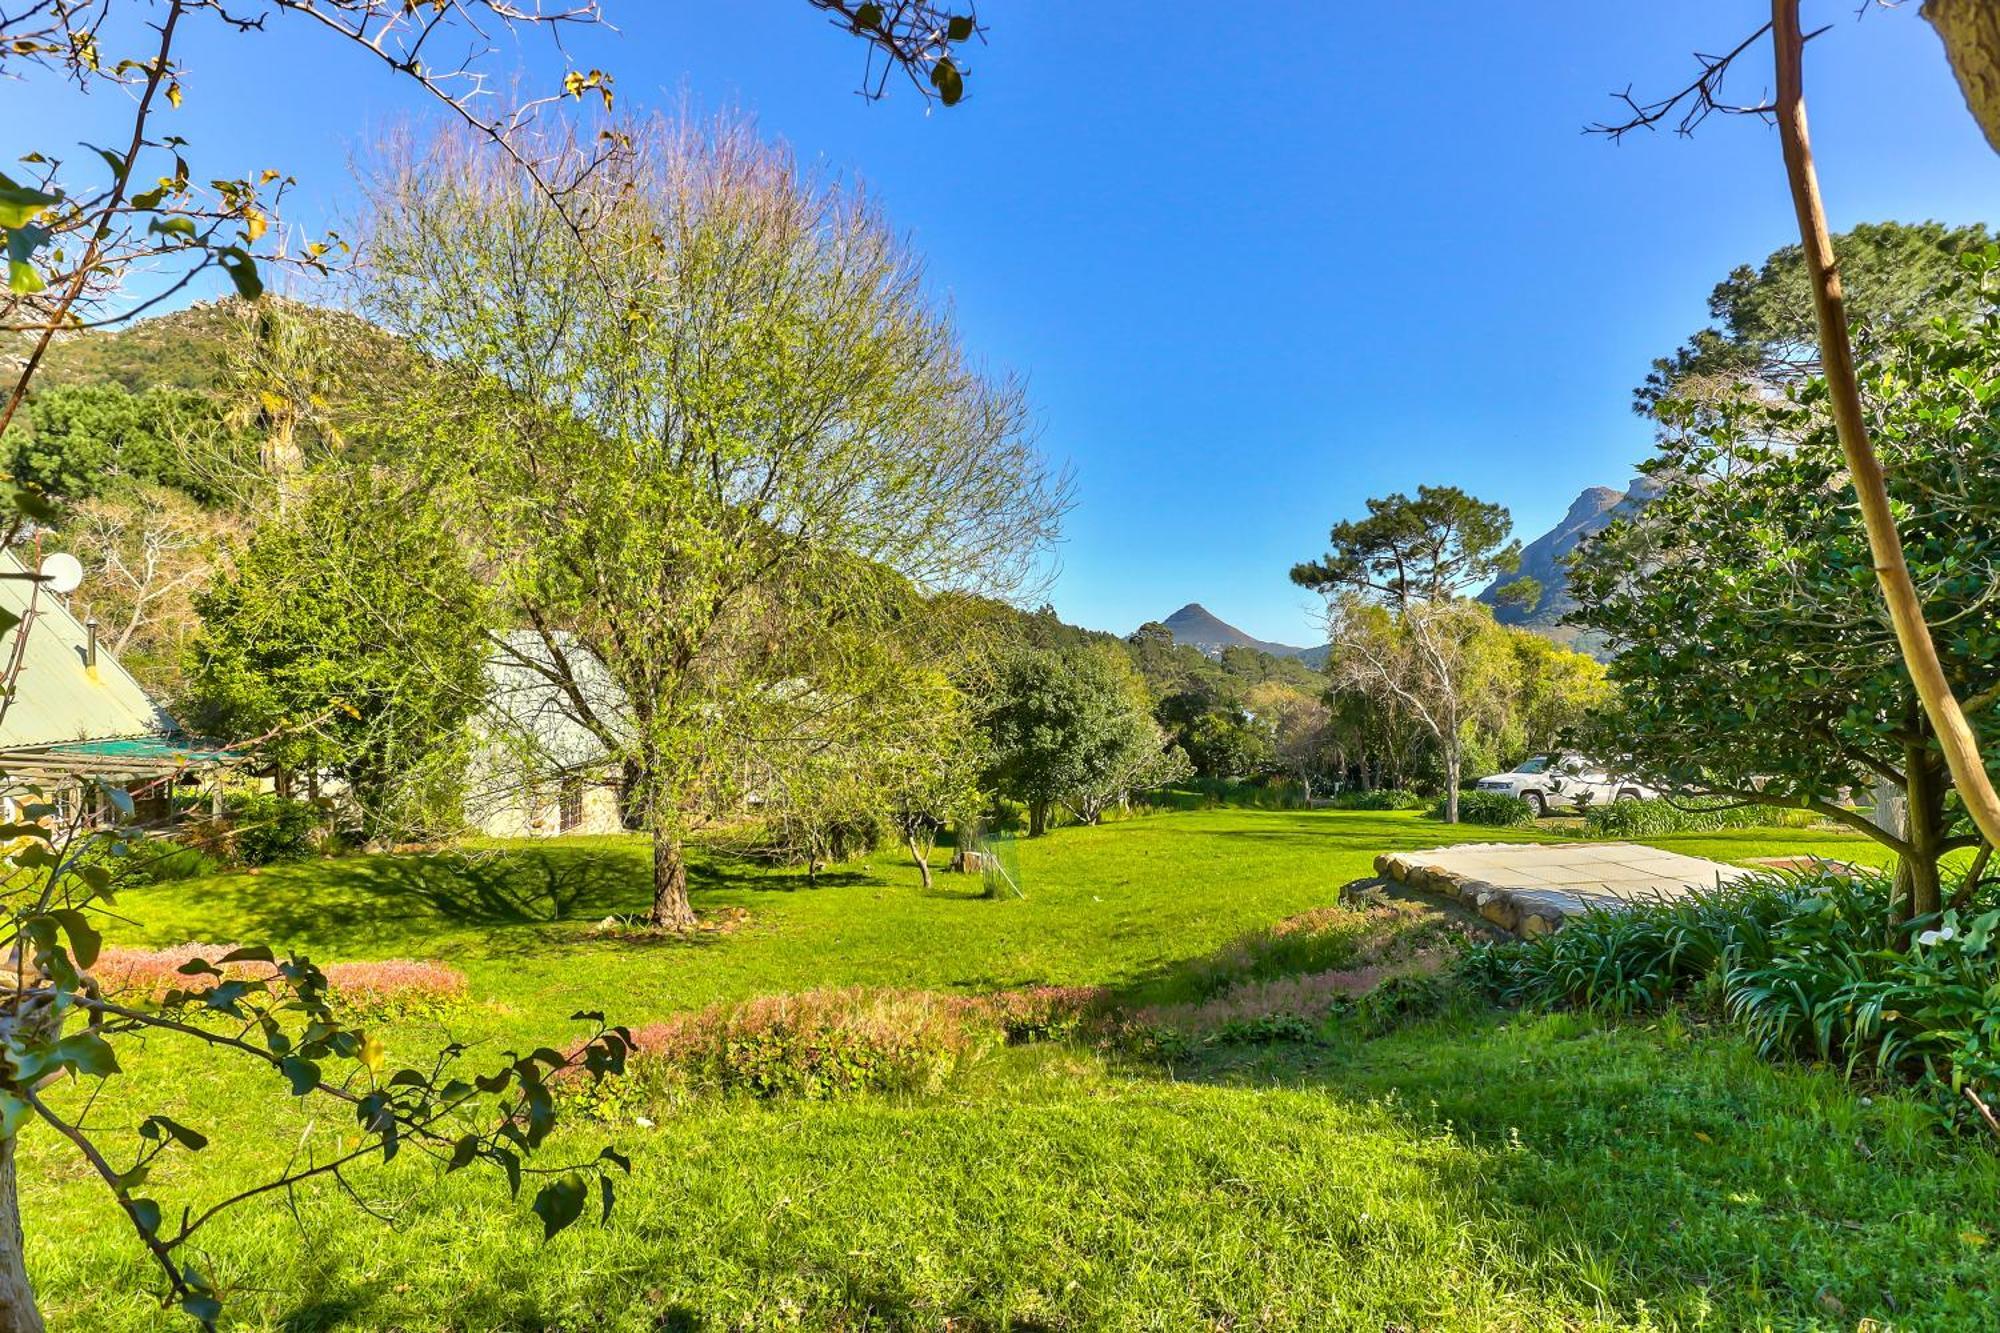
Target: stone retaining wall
1496, 904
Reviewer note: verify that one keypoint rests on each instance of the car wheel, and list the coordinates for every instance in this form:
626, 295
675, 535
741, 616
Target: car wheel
1627, 795
1538, 803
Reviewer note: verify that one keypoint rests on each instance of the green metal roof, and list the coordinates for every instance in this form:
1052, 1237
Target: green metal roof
147, 748
58, 700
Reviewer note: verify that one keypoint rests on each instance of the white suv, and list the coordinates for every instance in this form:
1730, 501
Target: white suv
1563, 782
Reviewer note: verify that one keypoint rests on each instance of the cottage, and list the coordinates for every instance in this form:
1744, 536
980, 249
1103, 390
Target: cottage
538, 770
70, 714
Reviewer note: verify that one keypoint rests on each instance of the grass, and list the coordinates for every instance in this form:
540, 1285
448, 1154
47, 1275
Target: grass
1479, 1172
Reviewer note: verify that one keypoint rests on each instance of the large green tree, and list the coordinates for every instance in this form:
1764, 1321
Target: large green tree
1753, 660
1427, 549
1071, 726
710, 444
1403, 634
1764, 338
86, 439
347, 638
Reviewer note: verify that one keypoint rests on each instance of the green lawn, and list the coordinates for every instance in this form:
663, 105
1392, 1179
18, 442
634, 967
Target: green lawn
1490, 1171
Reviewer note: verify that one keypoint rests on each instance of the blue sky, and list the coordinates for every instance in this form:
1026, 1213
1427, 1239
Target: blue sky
1260, 267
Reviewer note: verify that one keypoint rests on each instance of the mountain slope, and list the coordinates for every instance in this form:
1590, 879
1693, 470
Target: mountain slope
1543, 558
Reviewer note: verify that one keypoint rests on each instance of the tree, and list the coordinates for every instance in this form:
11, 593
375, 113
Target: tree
1401, 630
712, 443
1227, 744
1765, 339
933, 781
1441, 666
146, 551
1556, 689
1973, 60
85, 439
1422, 550
348, 637
1071, 725
1751, 663
1301, 730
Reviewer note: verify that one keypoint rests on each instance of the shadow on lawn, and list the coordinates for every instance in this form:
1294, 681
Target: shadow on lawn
512, 893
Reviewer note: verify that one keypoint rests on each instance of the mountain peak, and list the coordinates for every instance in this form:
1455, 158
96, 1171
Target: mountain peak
1543, 559
1195, 626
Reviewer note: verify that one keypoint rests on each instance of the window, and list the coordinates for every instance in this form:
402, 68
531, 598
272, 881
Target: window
569, 805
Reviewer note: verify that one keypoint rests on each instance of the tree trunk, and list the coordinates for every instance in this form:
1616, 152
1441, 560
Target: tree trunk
1955, 736
923, 861
18, 1313
1453, 761
1970, 31
1038, 818
1919, 889
671, 908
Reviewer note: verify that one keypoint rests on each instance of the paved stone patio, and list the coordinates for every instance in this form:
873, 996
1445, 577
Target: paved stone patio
1530, 888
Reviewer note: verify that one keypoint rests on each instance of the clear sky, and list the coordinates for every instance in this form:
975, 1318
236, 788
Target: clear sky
1258, 263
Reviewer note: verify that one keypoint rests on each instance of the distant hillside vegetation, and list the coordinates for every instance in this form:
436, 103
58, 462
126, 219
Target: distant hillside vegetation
190, 348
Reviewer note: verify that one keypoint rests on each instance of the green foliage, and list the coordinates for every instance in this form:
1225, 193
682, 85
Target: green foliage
1224, 745
1694, 814
350, 637
1494, 808
1200, 793
1409, 551
1741, 601
748, 508
84, 439
262, 829
1893, 275
1071, 726
1800, 963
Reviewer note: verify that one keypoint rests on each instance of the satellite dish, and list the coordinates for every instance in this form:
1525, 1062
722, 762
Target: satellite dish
61, 572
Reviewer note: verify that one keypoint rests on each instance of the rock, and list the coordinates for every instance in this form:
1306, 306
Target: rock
1437, 879
1499, 909
1389, 866
1534, 923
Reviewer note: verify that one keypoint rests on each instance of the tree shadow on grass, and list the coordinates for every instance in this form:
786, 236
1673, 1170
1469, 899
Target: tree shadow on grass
520, 897
715, 873
371, 902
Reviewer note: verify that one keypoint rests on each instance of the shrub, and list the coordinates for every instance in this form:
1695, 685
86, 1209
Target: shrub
1494, 808
392, 988
1799, 963
1038, 1013
1381, 798
260, 829
818, 1045
1650, 818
